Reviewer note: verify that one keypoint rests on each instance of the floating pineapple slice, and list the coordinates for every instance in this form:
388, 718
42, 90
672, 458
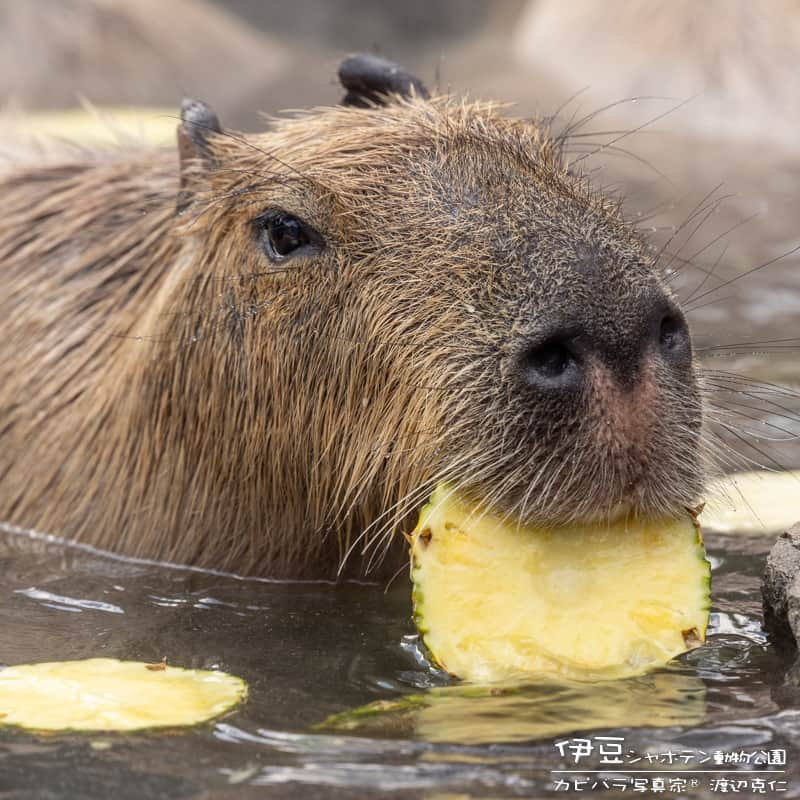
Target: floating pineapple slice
758, 502
103, 694
496, 602
96, 126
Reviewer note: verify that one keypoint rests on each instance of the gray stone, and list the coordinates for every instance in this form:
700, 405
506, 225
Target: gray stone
780, 589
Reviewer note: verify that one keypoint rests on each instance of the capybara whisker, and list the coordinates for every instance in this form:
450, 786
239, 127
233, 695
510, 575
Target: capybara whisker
747, 273
634, 130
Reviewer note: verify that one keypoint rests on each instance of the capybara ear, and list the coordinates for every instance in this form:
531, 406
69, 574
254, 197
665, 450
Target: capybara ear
370, 80
198, 125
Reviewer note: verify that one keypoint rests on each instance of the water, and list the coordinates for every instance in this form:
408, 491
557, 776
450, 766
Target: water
312, 650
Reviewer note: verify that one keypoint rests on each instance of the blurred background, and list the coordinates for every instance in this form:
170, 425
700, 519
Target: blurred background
737, 57
685, 108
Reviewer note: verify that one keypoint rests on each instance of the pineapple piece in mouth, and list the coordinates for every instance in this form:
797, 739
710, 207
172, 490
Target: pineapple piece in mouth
496, 601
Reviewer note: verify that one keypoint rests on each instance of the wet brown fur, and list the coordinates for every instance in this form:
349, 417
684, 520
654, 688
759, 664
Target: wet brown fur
166, 391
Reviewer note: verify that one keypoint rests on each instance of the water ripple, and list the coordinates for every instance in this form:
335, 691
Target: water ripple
68, 603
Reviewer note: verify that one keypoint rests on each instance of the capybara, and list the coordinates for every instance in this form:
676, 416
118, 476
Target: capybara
260, 353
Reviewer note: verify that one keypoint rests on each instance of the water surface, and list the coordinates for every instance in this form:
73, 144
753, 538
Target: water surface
312, 650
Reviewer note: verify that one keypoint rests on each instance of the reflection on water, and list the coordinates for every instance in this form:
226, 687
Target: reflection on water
475, 715
315, 651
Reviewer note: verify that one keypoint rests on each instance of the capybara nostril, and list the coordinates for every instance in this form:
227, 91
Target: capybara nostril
552, 365
674, 341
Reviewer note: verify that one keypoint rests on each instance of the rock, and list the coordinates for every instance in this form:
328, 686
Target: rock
780, 589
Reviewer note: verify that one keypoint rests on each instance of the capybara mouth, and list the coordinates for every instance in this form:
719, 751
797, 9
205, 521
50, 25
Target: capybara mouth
587, 505
597, 471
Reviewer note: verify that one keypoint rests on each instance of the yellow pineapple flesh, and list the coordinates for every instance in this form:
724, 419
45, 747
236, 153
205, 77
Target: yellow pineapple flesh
496, 601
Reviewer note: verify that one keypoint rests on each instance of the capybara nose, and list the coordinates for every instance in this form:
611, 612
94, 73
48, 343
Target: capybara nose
558, 360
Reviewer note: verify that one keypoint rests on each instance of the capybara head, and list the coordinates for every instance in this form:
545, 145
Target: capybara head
266, 362
406, 290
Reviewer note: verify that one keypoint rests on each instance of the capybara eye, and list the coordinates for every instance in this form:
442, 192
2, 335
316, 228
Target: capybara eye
282, 235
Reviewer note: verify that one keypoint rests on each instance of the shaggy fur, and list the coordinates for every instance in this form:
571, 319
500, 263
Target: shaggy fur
167, 391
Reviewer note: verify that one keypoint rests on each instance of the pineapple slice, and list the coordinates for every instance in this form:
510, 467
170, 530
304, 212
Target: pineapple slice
749, 503
497, 602
103, 694
99, 127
